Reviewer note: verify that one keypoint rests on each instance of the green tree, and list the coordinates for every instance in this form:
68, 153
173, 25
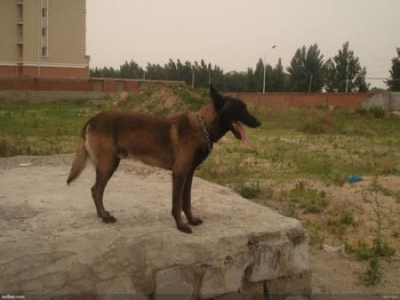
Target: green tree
155, 72
202, 74
344, 72
131, 70
393, 82
105, 72
184, 71
306, 70
279, 78
235, 81
170, 70
360, 82
255, 78
251, 83
217, 76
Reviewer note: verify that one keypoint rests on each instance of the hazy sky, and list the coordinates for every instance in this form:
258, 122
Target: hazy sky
234, 34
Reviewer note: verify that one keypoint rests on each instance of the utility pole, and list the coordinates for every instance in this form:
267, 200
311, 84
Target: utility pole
347, 75
192, 77
265, 65
309, 86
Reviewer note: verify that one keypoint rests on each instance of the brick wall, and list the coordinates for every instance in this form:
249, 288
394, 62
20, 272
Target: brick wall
32, 71
64, 72
8, 70
108, 85
45, 84
350, 101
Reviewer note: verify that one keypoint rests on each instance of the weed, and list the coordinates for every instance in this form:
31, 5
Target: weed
362, 111
316, 231
321, 123
322, 107
347, 218
380, 247
308, 199
291, 212
373, 274
8, 149
362, 250
268, 193
148, 92
376, 111
250, 190
338, 179
396, 196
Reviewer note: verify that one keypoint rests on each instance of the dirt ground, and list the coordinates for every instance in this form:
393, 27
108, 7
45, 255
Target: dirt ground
333, 272
340, 272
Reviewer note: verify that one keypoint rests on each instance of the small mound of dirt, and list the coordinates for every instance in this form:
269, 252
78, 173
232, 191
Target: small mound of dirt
164, 100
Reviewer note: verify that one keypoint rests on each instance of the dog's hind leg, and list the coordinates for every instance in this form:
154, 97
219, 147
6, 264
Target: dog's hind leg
103, 175
187, 206
178, 183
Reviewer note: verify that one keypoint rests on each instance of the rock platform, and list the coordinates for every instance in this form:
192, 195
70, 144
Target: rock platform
53, 246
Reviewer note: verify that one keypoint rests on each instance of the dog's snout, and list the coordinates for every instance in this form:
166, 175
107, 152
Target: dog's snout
255, 123
249, 120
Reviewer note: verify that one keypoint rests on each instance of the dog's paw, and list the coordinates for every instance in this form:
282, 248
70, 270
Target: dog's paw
109, 218
185, 229
196, 221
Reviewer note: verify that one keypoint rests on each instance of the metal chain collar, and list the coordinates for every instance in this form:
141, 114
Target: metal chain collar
206, 132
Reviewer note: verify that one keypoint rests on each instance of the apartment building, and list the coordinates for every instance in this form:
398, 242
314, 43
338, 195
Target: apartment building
43, 38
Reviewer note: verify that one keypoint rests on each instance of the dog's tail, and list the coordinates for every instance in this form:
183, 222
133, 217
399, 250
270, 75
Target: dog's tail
79, 163
81, 157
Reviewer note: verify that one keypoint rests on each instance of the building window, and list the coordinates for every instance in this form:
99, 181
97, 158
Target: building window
44, 31
20, 13
44, 12
20, 33
20, 51
45, 52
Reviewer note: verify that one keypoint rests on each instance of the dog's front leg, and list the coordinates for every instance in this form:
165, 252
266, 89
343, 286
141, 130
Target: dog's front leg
187, 200
178, 184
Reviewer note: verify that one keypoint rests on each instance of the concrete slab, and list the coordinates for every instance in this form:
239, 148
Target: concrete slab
52, 245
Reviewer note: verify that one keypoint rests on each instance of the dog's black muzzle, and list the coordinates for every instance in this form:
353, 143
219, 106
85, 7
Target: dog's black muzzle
249, 120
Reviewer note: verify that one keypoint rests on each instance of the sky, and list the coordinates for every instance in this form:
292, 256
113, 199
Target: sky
235, 34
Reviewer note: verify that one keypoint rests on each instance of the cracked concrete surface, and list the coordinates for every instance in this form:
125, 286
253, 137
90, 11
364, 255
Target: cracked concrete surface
52, 244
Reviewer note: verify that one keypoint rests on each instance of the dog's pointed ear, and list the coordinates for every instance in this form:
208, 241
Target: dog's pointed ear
217, 99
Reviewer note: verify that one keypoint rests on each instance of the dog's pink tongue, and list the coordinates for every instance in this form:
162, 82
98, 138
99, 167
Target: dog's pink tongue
243, 136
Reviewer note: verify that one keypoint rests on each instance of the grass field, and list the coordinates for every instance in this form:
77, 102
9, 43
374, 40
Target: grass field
298, 161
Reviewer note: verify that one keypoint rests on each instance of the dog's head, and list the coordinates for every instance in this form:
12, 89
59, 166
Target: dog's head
233, 112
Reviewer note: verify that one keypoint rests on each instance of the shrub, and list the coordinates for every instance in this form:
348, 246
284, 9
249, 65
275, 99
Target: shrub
310, 200
250, 190
321, 123
8, 149
377, 111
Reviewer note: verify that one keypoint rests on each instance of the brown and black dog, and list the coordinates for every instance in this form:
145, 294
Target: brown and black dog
179, 143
